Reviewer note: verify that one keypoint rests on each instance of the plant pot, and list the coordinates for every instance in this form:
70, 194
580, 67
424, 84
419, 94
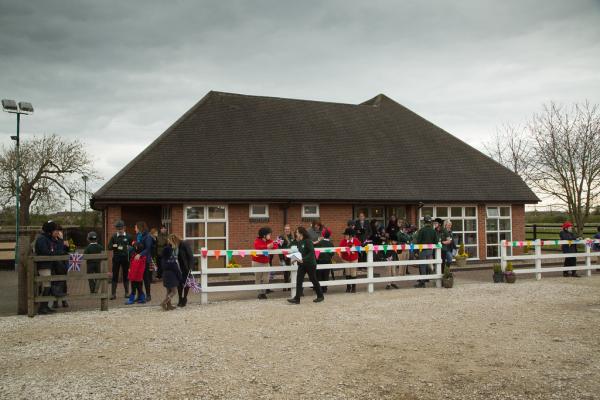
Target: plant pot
448, 282
460, 261
498, 277
510, 278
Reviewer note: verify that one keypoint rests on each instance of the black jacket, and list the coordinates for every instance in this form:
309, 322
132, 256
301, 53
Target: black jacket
185, 256
172, 276
566, 235
325, 258
45, 246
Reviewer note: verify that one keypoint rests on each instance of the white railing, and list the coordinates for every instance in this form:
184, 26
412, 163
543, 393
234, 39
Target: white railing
537, 257
435, 263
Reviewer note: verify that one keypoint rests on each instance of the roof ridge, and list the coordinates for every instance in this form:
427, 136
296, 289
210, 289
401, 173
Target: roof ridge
216, 92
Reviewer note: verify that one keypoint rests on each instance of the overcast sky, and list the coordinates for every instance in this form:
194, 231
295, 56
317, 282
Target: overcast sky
116, 74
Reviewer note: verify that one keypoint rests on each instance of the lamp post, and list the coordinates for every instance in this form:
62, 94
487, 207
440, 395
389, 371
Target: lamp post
11, 106
85, 179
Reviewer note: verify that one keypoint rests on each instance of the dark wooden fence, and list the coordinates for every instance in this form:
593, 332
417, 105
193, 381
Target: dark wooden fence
550, 231
34, 282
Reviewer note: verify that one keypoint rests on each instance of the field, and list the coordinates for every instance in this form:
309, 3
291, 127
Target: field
530, 340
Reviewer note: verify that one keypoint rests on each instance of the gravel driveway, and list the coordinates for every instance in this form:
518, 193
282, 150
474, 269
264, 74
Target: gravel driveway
530, 340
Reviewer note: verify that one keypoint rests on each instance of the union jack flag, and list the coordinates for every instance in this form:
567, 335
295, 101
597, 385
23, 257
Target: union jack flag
75, 260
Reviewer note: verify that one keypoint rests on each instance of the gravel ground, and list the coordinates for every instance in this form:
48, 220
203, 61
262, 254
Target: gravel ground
530, 340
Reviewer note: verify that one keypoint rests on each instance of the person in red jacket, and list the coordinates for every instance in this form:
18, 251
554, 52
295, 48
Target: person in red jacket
263, 242
350, 240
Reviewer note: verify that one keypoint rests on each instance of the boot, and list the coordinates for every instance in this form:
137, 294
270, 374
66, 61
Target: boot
65, 304
44, 309
55, 304
141, 299
348, 287
131, 299
353, 287
184, 302
294, 300
113, 291
164, 304
170, 306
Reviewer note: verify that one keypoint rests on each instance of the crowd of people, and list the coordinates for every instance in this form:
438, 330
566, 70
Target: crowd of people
152, 254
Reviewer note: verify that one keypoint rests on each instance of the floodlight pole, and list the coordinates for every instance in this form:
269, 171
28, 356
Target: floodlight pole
18, 190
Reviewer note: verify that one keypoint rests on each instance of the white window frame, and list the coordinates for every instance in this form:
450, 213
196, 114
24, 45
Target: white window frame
462, 218
165, 217
498, 231
316, 215
206, 220
265, 215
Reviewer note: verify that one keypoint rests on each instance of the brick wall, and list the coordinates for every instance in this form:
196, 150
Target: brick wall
518, 225
113, 214
481, 235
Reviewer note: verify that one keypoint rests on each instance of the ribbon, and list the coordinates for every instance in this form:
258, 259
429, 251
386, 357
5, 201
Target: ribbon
217, 253
242, 253
192, 284
75, 260
317, 252
204, 253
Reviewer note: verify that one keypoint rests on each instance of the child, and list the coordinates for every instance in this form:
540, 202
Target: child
93, 266
262, 242
324, 258
350, 240
171, 275
137, 267
391, 255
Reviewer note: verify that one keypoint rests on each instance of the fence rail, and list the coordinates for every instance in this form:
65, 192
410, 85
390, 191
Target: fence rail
435, 264
547, 230
537, 257
34, 281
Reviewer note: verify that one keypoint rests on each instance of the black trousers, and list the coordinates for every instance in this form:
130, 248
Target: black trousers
120, 262
323, 274
93, 268
311, 270
147, 279
159, 269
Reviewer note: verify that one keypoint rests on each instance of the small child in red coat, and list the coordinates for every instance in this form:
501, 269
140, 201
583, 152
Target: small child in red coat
137, 266
350, 240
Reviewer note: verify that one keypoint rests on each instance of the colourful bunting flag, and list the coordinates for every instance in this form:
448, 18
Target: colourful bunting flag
204, 253
376, 248
412, 247
338, 251
285, 252
385, 247
217, 253
317, 252
395, 247
229, 254
328, 250
265, 253
358, 249
420, 247
253, 253
242, 253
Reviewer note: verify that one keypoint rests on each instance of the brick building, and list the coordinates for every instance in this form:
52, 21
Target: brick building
234, 163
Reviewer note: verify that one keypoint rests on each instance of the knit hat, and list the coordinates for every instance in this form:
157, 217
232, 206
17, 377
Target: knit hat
49, 227
567, 224
349, 232
92, 236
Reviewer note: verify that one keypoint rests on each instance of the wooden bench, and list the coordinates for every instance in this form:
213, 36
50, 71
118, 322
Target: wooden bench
7, 251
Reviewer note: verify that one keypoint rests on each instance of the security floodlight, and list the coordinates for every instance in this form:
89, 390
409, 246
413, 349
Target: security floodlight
10, 106
25, 107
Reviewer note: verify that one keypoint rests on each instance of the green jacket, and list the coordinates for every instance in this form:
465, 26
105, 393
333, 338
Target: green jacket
306, 248
325, 258
93, 248
426, 235
161, 242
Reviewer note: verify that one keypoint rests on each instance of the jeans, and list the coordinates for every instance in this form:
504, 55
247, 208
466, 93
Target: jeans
425, 254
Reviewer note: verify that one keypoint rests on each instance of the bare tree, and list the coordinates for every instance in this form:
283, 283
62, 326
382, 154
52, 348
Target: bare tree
51, 169
566, 158
511, 147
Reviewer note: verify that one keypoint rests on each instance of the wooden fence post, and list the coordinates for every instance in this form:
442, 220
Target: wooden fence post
438, 266
104, 285
293, 278
370, 268
538, 259
31, 289
23, 250
503, 255
588, 259
203, 279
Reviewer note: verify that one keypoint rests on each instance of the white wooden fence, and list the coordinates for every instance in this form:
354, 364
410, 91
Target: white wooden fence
434, 264
537, 257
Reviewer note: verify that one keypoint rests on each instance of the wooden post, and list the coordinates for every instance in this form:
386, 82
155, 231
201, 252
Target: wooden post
203, 279
438, 266
104, 286
370, 268
538, 259
31, 289
24, 250
293, 278
503, 255
588, 259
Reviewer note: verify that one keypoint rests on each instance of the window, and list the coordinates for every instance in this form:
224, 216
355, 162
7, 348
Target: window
206, 226
165, 217
464, 224
310, 211
259, 211
498, 227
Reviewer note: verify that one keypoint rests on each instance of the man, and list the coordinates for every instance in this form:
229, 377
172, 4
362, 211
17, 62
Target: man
161, 243
567, 234
45, 245
362, 229
425, 235
119, 245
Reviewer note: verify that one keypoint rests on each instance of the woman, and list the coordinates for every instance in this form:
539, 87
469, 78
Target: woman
287, 241
172, 277
185, 257
567, 234
145, 242
261, 243
308, 265
392, 227
350, 241
448, 245
59, 288
45, 245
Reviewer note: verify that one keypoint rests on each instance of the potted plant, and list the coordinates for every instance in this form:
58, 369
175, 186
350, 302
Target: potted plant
233, 264
447, 278
498, 275
509, 275
461, 256
526, 249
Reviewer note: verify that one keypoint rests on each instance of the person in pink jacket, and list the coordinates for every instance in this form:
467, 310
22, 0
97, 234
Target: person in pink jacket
263, 242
